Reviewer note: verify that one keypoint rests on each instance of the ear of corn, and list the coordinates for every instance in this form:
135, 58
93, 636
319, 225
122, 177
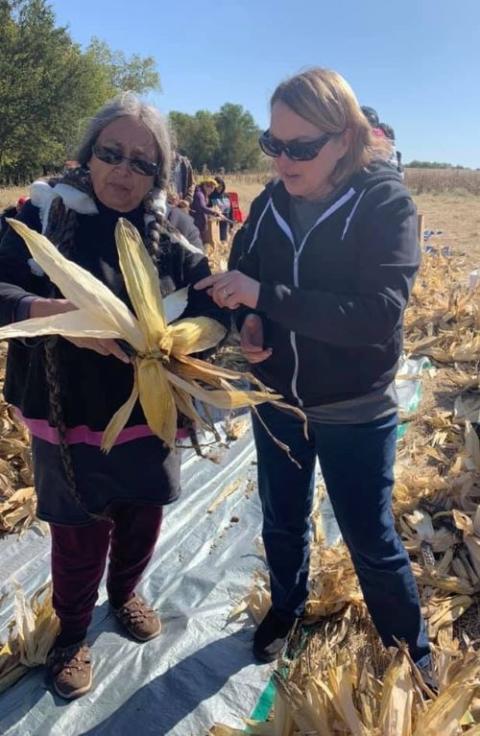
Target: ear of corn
141, 279
31, 635
161, 349
397, 698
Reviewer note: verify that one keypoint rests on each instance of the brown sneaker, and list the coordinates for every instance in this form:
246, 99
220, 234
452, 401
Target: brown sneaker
71, 670
139, 619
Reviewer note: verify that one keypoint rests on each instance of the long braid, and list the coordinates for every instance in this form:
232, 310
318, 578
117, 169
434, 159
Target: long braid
61, 228
155, 223
56, 412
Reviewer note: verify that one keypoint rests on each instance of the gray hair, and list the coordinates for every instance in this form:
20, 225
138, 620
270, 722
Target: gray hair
129, 104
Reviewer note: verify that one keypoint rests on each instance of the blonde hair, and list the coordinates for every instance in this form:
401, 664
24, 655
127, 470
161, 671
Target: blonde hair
326, 100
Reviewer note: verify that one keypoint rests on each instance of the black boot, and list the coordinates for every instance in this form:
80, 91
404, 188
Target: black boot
271, 635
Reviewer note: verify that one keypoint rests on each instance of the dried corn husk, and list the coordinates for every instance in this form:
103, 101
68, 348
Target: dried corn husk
18, 511
159, 346
437, 496
31, 635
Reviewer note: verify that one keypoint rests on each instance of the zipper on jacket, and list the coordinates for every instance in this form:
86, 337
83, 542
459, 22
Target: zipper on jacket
293, 338
297, 252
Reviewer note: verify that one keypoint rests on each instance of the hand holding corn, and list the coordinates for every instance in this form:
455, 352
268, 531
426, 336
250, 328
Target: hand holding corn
48, 307
165, 376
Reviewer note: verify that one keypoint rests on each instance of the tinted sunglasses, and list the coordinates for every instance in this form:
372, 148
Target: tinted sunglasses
114, 158
295, 150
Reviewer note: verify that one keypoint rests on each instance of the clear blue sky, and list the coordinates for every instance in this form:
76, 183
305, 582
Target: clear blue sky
416, 61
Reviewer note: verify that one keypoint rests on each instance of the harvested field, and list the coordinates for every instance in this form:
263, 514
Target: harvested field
339, 679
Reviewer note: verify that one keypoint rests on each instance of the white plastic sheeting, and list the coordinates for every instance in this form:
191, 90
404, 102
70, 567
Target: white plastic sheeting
200, 669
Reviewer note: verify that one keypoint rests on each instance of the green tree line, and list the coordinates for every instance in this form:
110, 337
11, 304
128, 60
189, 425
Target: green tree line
50, 86
226, 139
431, 165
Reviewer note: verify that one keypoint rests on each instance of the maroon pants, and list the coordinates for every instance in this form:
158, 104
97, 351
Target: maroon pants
79, 555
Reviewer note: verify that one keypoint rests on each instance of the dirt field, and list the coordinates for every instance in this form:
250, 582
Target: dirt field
457, 214
454, 212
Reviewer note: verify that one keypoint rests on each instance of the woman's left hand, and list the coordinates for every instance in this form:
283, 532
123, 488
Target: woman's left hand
231, 289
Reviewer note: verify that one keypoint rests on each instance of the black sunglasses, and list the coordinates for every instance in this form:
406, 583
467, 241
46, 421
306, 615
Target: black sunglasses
295, 149
114, 158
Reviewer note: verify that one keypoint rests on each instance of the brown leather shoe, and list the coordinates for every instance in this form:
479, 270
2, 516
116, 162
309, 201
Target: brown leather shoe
139, 619
71, 670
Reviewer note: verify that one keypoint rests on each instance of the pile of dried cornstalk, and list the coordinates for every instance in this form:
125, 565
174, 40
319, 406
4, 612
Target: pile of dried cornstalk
17, 496
31, 634
336, 677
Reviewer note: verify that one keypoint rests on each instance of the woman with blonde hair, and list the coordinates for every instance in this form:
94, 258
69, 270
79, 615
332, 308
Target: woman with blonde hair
327, 262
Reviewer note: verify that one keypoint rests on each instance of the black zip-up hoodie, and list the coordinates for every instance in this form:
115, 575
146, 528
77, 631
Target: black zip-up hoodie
333, 306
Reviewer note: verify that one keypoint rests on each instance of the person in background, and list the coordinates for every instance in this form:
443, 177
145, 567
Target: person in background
201, 210
384, 132
327, 262
181, 180
373, 119
11, 211
182, 221
396, 156
220, 199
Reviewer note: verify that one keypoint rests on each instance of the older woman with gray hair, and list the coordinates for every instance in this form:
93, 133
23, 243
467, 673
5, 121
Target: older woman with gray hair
67, 390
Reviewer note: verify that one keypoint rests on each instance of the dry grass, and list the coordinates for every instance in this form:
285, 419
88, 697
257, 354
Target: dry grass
10, 195
455, 212
458, 216
436, 181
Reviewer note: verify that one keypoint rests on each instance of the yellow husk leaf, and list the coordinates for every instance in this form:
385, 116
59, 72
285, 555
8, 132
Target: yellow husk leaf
142, 282
69, 324
81, 288
157, 399
186, 407
101, 314
120, 418
222, 399
192, 335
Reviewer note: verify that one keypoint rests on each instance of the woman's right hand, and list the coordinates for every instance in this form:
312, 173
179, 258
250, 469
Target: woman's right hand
251, 340
48, 307
104, 346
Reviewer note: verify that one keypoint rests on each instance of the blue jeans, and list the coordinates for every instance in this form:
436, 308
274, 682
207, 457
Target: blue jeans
357, 465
